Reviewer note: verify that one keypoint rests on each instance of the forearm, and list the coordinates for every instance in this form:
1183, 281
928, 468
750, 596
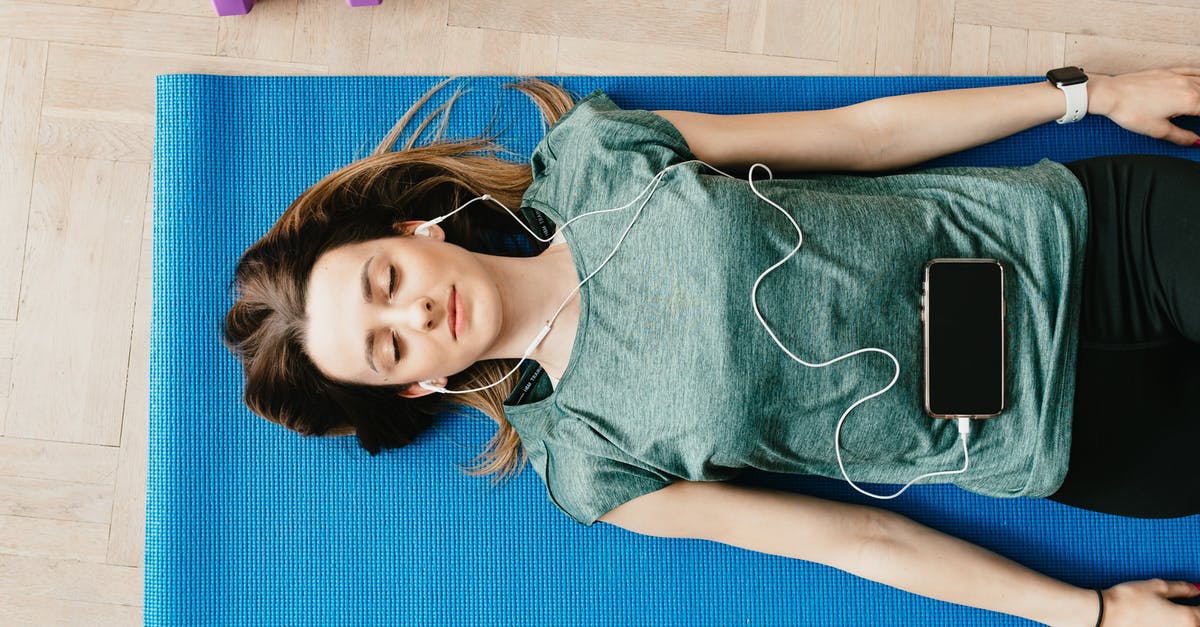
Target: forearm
924, 561
914, 128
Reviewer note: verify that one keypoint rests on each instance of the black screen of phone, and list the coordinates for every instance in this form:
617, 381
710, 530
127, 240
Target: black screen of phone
966, 338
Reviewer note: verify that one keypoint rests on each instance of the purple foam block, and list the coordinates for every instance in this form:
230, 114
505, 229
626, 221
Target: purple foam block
233, 7
362, 3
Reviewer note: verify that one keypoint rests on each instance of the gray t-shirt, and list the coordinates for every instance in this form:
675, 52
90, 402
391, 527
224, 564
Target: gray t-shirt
672, 377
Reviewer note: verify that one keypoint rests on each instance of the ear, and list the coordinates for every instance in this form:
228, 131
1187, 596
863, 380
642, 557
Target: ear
414, 390
409, 227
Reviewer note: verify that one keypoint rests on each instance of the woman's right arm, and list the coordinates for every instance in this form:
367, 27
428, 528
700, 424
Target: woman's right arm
889, 548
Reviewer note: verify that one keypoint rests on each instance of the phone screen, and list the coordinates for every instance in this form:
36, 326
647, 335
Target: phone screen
965, 351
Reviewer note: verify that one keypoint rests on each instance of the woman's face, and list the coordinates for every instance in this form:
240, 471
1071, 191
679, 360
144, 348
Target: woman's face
378, 311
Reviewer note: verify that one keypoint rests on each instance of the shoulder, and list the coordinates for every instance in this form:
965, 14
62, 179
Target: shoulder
597, 145
596, 121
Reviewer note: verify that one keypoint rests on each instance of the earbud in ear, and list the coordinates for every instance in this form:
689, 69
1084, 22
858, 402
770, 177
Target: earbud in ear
423, 229
428, 385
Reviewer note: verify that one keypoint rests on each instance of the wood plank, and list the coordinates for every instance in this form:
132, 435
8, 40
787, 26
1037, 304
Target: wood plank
175, 7
95, 137
131, 105
333, 36
720, 7
57, 499
1108, 18
934, 37
895, 52
46, 537
860, 36
1191, 4
86, 246
22, 103
746, 28
484, 51
70, 580
18, 610
116, 87
591, 56
264, 33
604, 20
136, 69
970, 54
127, 533
1007, 50
8, 330
5, 51
108, 27
62, 461
1106, 55
408, 37
807, 29
1044, 52
148, 214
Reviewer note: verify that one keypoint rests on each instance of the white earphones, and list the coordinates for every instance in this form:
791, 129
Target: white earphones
423, 229
964, 425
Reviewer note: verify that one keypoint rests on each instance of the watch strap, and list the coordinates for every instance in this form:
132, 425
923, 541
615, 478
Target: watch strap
1077, 101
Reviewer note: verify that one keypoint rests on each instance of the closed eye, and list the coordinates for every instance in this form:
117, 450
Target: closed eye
395, 348
391, 281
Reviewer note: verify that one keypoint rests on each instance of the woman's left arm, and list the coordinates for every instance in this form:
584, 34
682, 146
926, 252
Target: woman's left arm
914, 128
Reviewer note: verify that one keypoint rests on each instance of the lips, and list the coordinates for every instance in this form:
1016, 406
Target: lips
451, 313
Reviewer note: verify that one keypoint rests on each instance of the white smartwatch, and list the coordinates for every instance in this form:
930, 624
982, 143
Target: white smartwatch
1073, 82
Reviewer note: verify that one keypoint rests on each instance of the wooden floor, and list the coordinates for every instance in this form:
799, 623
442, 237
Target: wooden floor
76, 135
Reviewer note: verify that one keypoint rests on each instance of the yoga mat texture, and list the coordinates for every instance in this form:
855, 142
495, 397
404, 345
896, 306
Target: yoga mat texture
250, 524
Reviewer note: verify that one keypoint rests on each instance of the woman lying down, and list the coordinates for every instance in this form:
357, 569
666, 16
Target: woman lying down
685, 315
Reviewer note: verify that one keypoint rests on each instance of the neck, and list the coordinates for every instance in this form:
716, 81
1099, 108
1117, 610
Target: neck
531, 290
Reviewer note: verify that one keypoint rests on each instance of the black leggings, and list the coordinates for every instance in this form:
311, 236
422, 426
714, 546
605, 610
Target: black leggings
1136, 426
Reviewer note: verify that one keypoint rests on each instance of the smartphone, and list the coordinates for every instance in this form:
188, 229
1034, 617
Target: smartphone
966, 332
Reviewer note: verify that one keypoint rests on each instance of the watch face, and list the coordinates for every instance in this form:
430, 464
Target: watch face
1067, 75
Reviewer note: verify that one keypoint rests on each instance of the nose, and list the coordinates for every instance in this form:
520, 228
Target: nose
420, 315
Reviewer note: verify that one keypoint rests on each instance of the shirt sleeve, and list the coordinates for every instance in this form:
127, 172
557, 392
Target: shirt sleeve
586, 476
596, 148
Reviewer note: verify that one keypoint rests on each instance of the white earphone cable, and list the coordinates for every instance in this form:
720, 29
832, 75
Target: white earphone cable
964, 424
424, 230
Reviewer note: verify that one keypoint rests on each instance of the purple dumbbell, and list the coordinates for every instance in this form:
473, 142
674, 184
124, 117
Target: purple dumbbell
242, 7
233, 7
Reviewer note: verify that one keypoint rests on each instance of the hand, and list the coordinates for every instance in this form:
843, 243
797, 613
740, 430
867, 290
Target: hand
1146, 603
1145, 102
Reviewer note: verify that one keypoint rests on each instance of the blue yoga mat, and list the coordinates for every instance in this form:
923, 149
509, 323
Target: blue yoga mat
248, 523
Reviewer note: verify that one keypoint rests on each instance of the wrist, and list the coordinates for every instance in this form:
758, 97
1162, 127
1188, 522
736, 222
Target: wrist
1099, 101
1081, 609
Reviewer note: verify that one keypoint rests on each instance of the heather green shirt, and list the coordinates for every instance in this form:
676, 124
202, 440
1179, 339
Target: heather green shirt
672, 377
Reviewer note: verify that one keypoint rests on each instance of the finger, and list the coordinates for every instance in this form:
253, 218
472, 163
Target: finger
1179, 136
1181, 589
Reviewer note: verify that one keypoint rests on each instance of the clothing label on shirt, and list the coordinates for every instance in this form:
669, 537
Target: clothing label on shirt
540, 223
528, 382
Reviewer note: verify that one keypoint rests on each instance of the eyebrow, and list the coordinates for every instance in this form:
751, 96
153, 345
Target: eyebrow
366, 288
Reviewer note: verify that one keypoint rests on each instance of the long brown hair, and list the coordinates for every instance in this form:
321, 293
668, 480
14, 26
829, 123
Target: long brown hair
365, 200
